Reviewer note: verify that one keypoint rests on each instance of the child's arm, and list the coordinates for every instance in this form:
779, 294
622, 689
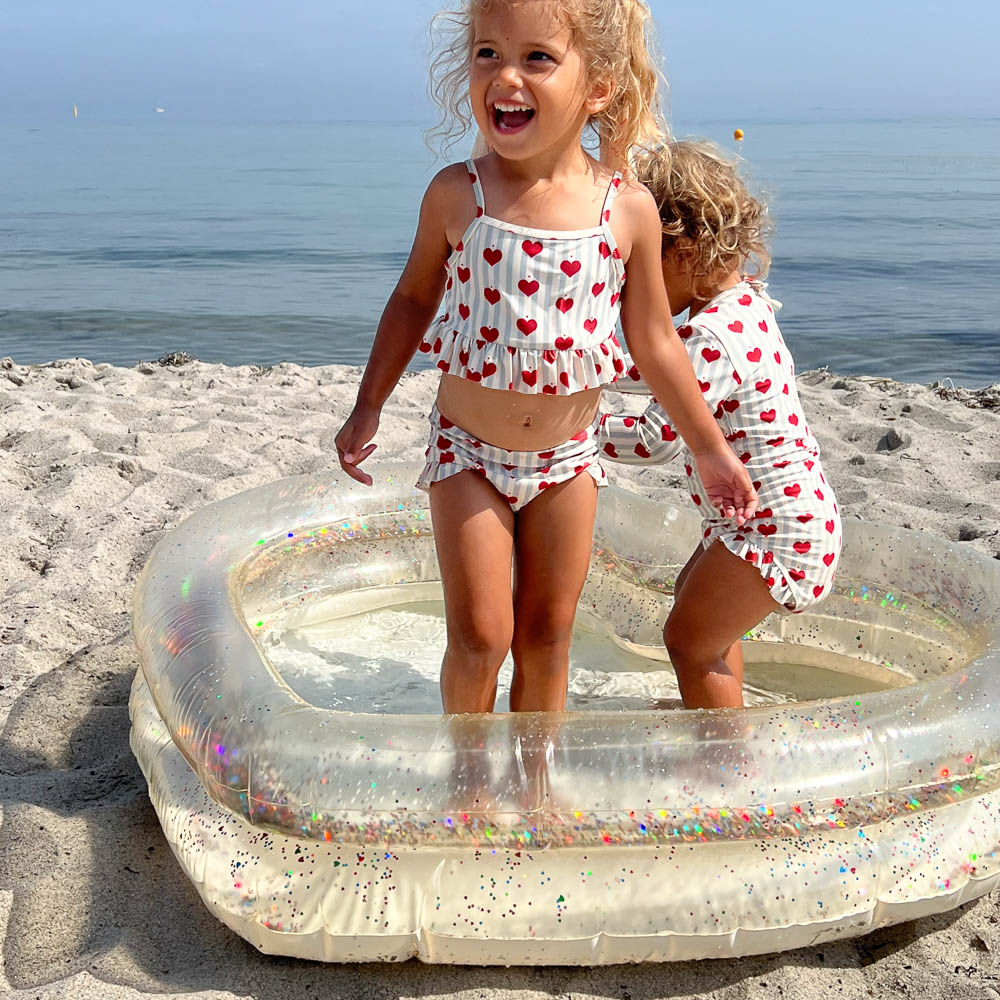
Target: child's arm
406, 317
665, 366
651, 439
645, 440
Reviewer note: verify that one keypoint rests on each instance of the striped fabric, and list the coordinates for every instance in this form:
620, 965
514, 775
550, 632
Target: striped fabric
531, 310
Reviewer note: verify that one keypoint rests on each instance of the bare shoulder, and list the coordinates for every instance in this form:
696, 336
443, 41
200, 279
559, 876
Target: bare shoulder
636, 203
635, 219
449, 184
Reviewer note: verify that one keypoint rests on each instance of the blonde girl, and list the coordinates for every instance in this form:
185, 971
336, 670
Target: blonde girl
784, 558
530, 246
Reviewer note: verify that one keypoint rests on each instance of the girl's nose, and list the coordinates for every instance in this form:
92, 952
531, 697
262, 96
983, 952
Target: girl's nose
509, 76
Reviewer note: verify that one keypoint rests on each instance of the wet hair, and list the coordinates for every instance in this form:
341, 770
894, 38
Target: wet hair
615, 38
705, 207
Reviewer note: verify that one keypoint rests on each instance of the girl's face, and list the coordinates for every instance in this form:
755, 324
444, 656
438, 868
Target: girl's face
528, 83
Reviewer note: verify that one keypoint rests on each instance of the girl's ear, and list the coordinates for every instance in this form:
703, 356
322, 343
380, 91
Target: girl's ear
600, 96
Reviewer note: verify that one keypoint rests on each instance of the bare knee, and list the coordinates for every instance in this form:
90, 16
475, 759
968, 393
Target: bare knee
480, 639
684, 645
548, 629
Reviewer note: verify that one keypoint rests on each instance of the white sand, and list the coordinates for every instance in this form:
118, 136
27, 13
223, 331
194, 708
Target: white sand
98, 462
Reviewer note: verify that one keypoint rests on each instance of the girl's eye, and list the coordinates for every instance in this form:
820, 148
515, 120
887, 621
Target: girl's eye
538, 55
485, 52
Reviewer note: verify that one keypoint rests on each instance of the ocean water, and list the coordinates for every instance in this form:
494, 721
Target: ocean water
253, 244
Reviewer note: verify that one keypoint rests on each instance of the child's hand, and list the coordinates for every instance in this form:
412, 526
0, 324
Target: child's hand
352, 441
727, 484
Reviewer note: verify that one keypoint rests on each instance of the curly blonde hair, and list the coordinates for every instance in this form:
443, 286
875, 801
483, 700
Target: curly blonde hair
705, 207
615, 38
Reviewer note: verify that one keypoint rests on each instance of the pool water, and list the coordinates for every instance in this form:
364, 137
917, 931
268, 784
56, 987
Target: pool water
388, 660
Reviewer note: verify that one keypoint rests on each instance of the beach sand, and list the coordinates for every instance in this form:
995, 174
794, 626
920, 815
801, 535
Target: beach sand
99, 462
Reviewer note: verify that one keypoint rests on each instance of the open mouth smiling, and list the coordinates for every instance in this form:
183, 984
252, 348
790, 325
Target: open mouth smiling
509, 117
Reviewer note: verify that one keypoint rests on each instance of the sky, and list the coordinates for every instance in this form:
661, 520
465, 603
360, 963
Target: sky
330, 60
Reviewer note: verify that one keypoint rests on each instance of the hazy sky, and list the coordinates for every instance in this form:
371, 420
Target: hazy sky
366, 59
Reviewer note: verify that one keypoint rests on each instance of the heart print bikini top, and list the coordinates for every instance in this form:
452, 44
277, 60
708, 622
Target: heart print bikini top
531, 310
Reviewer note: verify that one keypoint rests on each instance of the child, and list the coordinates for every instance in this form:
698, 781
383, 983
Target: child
530, 246
785, 557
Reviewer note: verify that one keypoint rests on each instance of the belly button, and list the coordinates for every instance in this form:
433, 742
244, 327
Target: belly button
527, 421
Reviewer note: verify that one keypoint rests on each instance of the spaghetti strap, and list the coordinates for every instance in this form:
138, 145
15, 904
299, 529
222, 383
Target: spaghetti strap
610, 197
477, 186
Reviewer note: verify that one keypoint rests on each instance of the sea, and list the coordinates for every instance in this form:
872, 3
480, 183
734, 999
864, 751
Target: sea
269, 242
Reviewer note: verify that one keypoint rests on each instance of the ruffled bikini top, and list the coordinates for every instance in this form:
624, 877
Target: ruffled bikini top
531, 310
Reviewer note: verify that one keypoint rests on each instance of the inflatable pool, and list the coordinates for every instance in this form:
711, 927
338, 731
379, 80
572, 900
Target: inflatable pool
579, 838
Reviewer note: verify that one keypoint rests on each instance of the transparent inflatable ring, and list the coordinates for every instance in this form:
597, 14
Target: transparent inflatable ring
577, 838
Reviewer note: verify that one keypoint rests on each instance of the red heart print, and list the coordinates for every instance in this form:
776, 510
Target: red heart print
443, 443
492, 256
609, 449
563, 343
437, 346
604, 350
730, 405
809, 463
777, 357
570, 267
424, 347
489, 333
464, 274
696, 499
597, 289
511, 350
736, 326
590, 325
688, 470
528, 287
818, 589
580, 468
564, 305
451, 281
711, 309
793, 491
793, 419
546, 454
618, 365
819, 494
745, 457
509, 468
550, 357
830, 525
668, 433
754, 355
782, 465
764, 386
444, 366
605, 250
531, 247
629, 421
802, 547
633, 373
641, 450
710, 354
463, 310
784, 389
767, 558
768, 416
530, 377
764, 512
774, 442
446, 456
463, 357
492, 295
828, 558
550, 390
750, 557
744, 300
763, 326
564, 379
474, 376
767, 529
614, 298
489, 368
796, 574
770, 580
580, 435
736, 376
543, 485
803, 518
684, 332
705, 386
527, 326
460, 247
445, 422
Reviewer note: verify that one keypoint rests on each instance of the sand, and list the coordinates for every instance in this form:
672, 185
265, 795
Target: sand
97, 462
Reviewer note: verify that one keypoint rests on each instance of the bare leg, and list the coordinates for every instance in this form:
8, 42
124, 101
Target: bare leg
551, 555
719, 597
474, 536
